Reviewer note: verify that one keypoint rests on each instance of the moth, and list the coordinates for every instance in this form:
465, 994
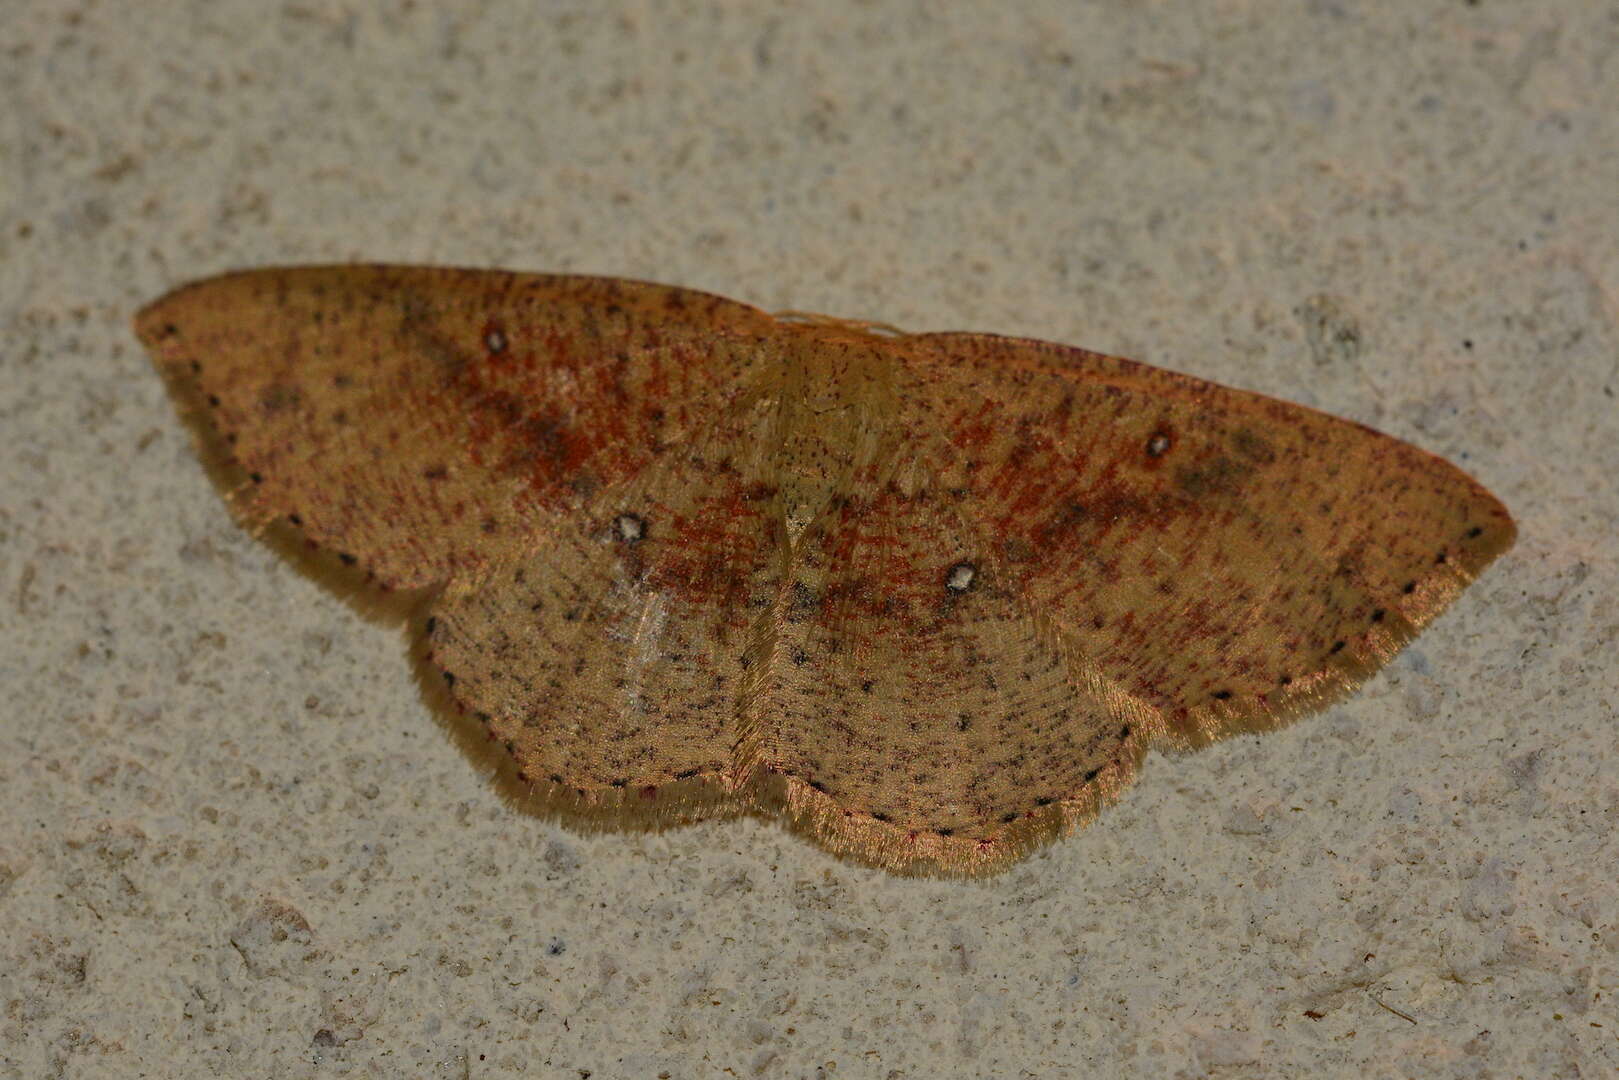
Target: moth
928, 597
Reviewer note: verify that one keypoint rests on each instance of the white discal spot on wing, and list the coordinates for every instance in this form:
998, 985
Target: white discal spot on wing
961, 576
629, 528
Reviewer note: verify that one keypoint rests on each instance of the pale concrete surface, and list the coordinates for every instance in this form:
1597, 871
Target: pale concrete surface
235, 843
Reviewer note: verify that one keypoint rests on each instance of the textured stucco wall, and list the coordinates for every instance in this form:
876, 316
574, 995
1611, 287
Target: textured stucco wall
235, 843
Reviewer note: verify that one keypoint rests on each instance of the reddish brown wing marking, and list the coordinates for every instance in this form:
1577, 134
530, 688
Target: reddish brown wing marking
426, 422
1225, 559
615, 654
930, 714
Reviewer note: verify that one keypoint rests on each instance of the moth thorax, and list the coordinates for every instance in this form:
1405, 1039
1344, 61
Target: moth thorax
838, 427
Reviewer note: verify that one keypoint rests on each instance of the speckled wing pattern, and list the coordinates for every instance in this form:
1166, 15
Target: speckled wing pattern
931, 597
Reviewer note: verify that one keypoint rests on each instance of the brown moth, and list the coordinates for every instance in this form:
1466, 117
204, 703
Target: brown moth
929, 596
